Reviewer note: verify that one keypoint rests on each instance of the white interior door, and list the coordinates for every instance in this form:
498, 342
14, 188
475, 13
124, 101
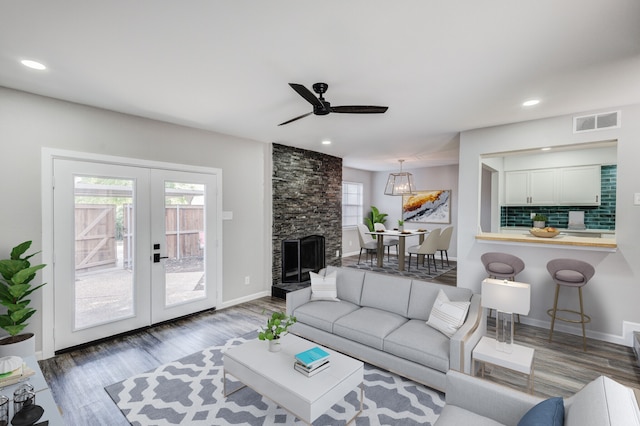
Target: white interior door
133, 246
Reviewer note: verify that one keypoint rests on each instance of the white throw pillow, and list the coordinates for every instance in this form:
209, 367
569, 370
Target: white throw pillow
446, 316
324, 287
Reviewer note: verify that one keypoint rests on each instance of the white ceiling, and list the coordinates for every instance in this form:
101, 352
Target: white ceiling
441, 66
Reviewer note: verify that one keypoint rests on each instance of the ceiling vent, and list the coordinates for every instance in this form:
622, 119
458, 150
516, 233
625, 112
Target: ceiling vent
601, 121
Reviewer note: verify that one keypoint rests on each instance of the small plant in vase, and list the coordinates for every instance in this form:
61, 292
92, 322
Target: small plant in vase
277, 326
539, 221
400, 225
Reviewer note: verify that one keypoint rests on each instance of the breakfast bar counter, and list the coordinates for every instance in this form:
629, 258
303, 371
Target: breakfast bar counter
562, 240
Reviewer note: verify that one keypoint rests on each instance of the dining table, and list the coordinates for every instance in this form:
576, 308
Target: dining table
401, 235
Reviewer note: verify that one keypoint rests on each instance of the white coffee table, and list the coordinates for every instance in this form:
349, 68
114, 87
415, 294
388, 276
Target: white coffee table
520, 359
272, 375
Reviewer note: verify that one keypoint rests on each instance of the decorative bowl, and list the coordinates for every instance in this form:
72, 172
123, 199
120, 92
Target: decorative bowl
540, 232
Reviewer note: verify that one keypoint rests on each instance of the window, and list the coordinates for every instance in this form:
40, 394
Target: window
351, 204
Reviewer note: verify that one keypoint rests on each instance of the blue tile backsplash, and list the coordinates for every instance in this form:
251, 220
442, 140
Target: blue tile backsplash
595, 217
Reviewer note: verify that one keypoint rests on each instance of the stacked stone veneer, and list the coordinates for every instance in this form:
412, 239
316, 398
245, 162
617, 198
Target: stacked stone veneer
307, 200
595, 217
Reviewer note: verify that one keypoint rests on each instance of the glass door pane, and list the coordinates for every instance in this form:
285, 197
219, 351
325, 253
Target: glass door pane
103, 257
185, 242
184, 276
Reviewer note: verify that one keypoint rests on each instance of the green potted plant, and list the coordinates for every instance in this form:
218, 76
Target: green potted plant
400, 225
539, 220
277, 326
15, 285
375, 217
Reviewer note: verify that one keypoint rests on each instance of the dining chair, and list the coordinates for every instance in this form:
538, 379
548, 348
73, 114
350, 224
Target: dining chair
366, 241
428, 248
387, 242
443, 244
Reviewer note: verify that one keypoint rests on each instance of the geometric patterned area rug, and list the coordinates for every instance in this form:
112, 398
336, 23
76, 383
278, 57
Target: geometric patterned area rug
190, 392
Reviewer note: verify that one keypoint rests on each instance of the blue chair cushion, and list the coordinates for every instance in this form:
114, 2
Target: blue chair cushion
549, 412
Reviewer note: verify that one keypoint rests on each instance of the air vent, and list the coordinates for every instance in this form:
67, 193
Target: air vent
601, 121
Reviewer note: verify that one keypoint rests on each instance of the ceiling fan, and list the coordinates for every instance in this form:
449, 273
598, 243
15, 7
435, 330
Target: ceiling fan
323, 107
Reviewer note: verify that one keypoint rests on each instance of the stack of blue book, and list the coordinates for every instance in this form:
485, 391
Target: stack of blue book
312, 361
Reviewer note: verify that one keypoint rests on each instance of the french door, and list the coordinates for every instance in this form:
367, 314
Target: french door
133, 246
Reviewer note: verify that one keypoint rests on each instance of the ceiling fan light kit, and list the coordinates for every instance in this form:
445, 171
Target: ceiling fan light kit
400, 183
323, 107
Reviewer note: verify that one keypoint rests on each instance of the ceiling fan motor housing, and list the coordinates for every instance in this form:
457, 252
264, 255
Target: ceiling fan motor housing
326, 108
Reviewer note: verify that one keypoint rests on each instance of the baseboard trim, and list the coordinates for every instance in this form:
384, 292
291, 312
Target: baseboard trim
244, 299
577, 331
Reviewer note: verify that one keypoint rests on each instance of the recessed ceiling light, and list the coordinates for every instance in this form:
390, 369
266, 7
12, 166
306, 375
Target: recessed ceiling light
326, 142
33, 64
531, 102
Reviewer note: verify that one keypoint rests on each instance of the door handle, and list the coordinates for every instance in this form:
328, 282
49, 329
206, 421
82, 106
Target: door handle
157, 257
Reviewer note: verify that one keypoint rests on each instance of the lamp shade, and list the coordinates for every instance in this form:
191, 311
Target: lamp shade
506, 296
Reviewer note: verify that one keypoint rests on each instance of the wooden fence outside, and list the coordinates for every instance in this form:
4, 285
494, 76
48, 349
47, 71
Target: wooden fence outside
96, 245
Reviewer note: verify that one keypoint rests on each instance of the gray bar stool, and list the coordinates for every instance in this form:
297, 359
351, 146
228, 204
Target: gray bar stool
570, 273
502, 266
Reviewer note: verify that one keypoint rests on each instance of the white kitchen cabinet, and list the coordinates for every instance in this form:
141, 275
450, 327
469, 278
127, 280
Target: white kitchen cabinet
536, 187
580, 186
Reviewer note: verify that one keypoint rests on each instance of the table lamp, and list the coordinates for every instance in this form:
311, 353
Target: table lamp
507, 298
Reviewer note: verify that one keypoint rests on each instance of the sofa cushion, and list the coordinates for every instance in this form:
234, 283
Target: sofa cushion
423, 295
349, 283
417, 342
368, 326
322, 314
323, 287
602, 402
549, 412
386, 292
446, 316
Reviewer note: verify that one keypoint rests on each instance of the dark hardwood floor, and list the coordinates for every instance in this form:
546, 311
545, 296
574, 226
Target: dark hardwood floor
78, 378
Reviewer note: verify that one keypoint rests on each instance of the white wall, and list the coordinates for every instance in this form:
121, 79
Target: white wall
426, 178
611, 297
29, 122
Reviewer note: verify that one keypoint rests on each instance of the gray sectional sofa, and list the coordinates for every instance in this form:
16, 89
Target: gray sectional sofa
474, 401
381, 319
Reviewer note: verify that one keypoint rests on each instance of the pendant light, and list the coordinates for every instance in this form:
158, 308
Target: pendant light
400, 183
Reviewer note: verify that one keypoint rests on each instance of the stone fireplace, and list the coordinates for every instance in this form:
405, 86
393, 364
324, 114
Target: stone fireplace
307, 201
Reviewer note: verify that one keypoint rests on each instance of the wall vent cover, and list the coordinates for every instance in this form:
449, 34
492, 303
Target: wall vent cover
600, 121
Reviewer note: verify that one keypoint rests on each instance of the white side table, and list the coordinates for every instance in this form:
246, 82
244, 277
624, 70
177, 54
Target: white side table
520, 360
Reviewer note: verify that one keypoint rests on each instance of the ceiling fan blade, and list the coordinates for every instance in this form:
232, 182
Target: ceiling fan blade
306, 93
297, 118
359, 109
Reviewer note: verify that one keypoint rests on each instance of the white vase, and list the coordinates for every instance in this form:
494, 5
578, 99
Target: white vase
274, 345
538, 224
21, 348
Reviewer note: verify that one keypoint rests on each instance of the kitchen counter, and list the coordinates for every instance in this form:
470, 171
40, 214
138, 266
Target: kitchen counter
561, 240
604, 233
